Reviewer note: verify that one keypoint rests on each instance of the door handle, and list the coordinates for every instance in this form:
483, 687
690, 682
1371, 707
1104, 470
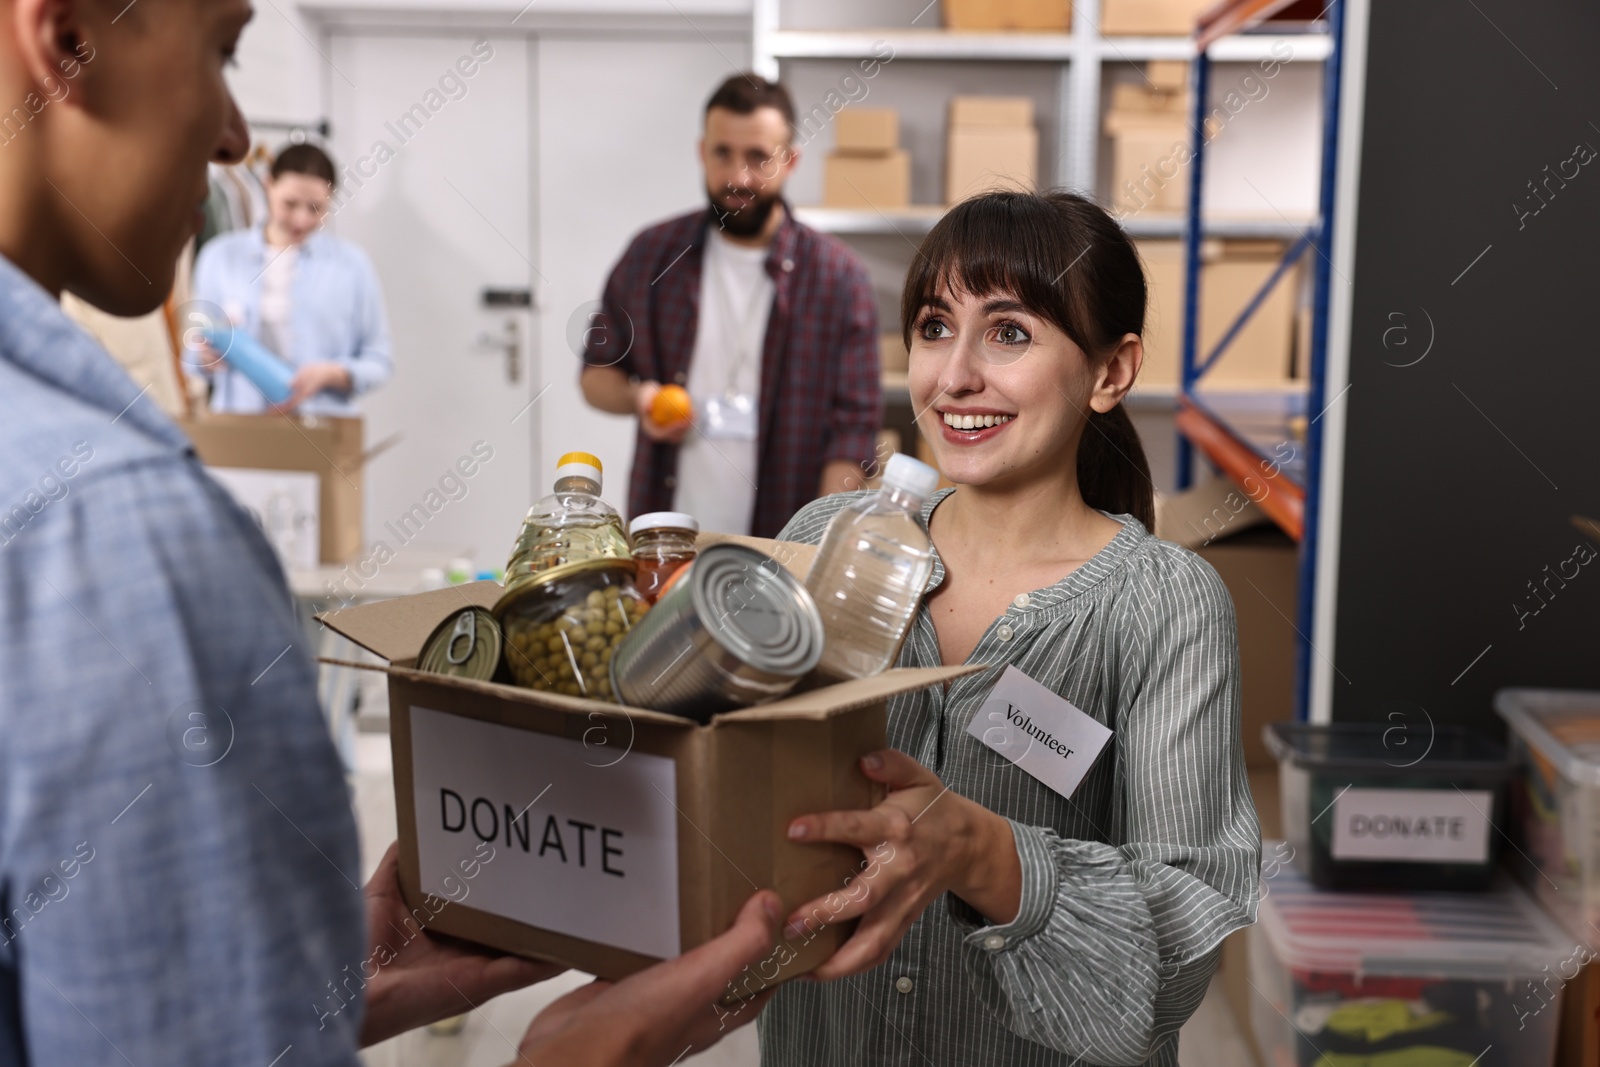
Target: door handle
510, 340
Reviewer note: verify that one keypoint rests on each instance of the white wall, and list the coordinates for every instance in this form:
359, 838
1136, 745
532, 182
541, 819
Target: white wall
615, 153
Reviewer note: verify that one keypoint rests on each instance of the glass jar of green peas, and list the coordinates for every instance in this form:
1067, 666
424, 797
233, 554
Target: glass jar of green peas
562, 625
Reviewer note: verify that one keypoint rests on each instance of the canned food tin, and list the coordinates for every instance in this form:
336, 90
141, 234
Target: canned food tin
466, 644
734, 630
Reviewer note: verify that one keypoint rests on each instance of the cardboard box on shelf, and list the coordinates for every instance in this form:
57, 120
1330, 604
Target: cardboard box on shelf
1169, 74
1149, 154
1158, 18
1141, 99
1008, 111
892, 354
1232, 272
328, 449
880, 181
980, 159
606, 838
1041, 15
1163, 316
1260, 566
992, 144
866, 131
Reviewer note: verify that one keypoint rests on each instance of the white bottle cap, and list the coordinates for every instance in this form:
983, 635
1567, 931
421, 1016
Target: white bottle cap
579, 465
911, 475
664, 520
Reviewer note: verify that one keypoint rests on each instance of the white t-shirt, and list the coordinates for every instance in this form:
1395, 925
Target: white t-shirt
277, 283
717, 478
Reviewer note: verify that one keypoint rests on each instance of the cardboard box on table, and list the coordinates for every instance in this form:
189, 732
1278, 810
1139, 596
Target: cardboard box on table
619, 836
328, 449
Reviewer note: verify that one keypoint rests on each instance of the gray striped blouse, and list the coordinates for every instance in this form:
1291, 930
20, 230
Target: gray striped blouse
1128, 887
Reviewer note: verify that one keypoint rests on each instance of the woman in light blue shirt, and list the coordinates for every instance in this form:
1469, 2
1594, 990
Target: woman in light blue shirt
308, 297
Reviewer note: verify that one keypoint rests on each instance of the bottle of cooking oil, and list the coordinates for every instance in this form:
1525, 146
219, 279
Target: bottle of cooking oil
570, 525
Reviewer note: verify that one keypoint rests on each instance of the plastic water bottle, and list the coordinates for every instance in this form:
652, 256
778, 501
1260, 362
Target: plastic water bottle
870, 573
249, 357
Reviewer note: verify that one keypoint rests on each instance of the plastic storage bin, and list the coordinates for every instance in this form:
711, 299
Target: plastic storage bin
1370, 806
1556, 734
1412, 980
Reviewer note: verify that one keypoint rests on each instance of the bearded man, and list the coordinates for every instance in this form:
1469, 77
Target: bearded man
770, 326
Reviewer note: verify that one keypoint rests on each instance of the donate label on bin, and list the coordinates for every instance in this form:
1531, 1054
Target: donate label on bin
1413, 825
585, 850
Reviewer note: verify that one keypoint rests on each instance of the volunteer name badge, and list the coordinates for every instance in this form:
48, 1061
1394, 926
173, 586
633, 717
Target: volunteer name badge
584, 850
1039, 731
728, 418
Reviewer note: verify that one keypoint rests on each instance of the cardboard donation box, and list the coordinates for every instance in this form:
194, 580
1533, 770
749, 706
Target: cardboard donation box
608, 838
1231, 272
992, 144
1054, 16
1152, 17
300, 477
867, 168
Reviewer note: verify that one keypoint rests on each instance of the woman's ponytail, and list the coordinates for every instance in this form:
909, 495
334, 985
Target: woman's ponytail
1113, 474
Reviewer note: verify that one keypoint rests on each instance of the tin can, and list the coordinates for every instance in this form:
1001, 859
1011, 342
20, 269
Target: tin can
735, 629
466, 644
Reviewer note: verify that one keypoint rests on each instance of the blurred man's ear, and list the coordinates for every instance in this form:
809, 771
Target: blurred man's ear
51, 41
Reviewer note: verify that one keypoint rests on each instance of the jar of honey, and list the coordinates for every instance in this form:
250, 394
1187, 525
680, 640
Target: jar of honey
663, 543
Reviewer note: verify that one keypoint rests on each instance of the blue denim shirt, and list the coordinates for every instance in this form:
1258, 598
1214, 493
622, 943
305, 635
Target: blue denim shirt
178, 857
336, 315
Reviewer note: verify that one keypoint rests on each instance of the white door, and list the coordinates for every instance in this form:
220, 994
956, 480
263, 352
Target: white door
431, 137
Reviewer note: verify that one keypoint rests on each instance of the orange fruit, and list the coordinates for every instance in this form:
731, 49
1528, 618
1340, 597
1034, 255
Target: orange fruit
671, 404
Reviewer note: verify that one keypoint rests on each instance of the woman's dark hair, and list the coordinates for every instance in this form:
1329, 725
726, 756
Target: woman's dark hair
305, 159
1069, 262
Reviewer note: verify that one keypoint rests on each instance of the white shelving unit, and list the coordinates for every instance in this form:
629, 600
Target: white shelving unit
917, 221
1078, 55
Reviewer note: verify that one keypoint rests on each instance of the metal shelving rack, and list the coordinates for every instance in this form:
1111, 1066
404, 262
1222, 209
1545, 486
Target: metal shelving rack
1080, 56
1242, 436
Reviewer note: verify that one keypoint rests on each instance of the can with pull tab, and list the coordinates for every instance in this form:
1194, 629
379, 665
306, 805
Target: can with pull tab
466, 644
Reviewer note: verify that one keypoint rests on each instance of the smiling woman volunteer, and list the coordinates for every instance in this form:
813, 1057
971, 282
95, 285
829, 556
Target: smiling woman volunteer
308, 297
1001, 921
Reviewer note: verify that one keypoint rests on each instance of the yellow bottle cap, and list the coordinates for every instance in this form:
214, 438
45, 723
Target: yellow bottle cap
580, 457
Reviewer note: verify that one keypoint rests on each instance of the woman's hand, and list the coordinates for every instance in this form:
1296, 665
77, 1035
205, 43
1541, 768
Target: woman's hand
922, 841
425, 979
654, 1018
314, 378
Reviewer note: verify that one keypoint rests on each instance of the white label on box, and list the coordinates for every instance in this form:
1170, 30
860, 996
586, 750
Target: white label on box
584, 850
1412, 825
285, 504
1039, 731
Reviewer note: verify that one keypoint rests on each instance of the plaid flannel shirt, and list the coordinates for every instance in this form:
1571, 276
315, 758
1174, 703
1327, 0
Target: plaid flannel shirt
821, 397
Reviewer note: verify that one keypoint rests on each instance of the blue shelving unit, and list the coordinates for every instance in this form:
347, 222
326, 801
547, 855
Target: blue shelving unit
1237, 433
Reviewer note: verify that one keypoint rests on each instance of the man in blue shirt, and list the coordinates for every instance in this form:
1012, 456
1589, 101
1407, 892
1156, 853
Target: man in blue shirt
178, 858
